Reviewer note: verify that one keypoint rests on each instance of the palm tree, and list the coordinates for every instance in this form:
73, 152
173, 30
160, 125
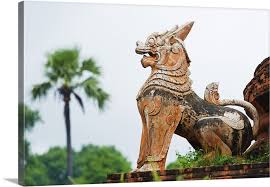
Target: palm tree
64, 72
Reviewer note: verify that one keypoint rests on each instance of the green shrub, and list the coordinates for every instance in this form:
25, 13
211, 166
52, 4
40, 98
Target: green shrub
197, 158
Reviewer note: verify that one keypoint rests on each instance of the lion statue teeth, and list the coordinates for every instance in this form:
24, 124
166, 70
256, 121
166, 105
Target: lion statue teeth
168, 105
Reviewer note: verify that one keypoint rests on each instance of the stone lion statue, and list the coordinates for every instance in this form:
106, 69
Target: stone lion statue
167, 105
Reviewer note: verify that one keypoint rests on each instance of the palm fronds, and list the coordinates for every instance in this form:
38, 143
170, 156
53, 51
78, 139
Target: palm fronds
93, 91
40, 90
90, 65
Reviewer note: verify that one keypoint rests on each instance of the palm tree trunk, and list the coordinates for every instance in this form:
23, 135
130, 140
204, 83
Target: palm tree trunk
68, 130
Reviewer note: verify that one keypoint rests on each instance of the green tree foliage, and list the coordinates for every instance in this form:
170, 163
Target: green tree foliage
27, 120
65, 73
28, 117
54, 160
91, 165
35, 172
47, 168
96, 162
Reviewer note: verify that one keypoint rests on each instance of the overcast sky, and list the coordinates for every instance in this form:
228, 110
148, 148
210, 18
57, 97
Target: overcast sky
224, 45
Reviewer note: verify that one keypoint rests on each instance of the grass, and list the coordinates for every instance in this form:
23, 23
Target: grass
122, 177
198, 159
155, 175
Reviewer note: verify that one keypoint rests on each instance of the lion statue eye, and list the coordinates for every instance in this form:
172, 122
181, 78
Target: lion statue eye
151, 41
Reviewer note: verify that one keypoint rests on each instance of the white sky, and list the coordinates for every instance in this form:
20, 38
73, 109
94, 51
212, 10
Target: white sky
225, 46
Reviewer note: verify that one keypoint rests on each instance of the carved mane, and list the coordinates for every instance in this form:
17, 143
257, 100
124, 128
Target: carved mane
174, 79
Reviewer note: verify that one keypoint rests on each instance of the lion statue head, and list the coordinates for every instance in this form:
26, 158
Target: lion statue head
164, 49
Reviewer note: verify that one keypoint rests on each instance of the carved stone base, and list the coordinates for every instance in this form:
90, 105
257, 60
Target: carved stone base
212, 172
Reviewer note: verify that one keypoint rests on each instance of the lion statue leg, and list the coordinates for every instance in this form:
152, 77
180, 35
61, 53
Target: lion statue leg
217, 137
160, 117
212, 143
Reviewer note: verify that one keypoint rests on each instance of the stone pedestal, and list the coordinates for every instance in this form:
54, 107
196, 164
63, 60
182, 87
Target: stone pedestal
212, 172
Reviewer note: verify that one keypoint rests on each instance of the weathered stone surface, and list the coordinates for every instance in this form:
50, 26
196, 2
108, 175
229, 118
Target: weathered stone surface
167, 104
212, 172
257, 93
259, 85
161, 114
211, 95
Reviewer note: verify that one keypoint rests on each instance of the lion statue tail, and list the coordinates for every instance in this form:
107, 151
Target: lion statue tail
211, 95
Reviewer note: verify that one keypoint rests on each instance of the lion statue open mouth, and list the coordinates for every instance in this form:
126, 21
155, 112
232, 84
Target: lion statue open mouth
167, 105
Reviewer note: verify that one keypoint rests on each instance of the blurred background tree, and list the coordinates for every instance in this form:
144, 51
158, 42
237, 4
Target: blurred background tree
28, 117
27, 120
95, 162
91, 165
65, 73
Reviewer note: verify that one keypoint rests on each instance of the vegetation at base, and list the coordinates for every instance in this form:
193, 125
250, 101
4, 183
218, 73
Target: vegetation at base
198, 159
91, 165
155, 175
122, 179
260, 153
206, 178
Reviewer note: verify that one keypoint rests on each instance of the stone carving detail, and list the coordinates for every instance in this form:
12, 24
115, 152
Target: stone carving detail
160, 118
167, 105
257, 93
212, 96
232, 119
170, 72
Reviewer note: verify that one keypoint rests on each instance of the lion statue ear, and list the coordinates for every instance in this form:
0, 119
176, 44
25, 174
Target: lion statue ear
184, 30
